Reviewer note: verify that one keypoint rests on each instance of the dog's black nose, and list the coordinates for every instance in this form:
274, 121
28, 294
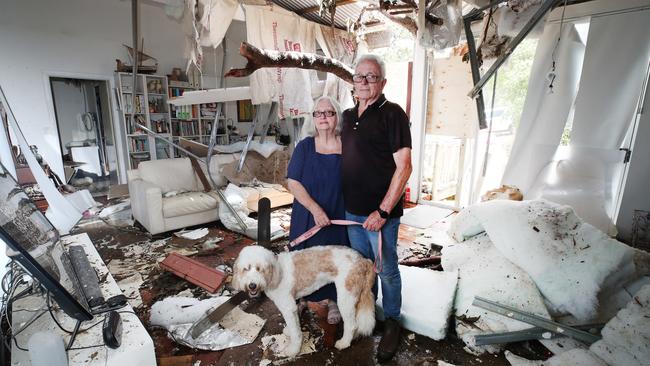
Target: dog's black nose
252, 286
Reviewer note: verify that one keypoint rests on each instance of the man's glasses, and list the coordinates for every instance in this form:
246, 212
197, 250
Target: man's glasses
323, 113
370, 78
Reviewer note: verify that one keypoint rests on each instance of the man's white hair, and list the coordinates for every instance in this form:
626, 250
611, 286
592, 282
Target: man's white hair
372, 58
309, 128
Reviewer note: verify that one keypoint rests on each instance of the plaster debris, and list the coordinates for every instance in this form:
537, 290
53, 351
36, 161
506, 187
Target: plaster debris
425, 312
178, 314
485, 272
277, 344
575, 357
130, 286
625, 337
443, 363
192, 234
109, 210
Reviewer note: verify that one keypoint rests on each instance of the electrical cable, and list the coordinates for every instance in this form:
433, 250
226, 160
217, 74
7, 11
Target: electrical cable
552, 75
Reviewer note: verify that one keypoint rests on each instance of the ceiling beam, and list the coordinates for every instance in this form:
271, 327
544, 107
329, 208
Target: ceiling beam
312, 9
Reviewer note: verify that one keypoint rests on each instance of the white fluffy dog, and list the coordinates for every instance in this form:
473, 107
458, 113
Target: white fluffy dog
291, 275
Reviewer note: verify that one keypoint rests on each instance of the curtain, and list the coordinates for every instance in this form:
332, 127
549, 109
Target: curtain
587, 174
545, 113
616, 60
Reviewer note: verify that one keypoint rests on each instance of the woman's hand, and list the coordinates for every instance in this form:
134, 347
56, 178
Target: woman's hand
320, 217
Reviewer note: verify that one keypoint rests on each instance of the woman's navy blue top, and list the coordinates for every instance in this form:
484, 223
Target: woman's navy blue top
320, 174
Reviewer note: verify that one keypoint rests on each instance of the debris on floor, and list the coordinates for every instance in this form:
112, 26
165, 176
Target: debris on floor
277, 343
178, 314
507, 250
194, 271
130, 286
192, 234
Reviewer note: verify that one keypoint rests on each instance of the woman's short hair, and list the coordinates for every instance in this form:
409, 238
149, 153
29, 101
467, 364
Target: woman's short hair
309, 127
372, 58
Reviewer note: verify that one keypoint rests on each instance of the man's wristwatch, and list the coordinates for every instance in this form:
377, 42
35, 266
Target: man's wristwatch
383, 214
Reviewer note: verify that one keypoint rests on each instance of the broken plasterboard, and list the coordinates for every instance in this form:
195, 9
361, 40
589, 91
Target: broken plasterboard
178, 314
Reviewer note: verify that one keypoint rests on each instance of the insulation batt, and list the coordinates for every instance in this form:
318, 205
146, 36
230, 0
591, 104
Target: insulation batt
568, 260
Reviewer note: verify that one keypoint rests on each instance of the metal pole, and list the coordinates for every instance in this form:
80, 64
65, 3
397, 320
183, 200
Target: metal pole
241, 223
134, 23
473, 61
535, 320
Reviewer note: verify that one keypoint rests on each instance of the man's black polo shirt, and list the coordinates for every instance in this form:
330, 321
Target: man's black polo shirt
368, 165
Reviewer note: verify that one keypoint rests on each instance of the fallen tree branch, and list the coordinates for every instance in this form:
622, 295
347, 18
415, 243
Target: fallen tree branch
258, 59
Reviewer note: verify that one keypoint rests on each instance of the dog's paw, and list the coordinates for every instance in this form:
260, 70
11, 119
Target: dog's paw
341, 344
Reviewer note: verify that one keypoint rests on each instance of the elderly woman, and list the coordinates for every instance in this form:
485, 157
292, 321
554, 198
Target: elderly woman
314, 178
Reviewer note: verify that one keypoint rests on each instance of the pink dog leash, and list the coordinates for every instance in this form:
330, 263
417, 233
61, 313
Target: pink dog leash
311, 232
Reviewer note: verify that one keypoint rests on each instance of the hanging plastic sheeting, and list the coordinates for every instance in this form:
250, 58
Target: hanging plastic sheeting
545, 112
341, 46
273, 28
210, 19
445, 35
585, 179
6, 158
612, 79
588, 175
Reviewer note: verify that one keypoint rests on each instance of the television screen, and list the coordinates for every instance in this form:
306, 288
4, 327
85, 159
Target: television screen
34, 243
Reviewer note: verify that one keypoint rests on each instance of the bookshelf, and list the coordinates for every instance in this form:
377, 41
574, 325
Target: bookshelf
151, 109
193, 122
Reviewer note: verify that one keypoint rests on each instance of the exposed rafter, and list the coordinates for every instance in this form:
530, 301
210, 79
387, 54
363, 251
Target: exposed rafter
313, 9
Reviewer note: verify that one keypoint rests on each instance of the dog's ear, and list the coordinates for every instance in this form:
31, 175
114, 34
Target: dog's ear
236, 273
272, 272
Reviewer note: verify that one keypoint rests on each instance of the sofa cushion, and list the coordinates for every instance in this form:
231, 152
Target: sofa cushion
188, 203
169, 174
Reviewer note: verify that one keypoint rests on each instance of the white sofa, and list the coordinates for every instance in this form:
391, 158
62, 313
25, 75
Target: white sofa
152, 181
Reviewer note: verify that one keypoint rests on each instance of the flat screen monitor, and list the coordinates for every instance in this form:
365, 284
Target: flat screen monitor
34, 243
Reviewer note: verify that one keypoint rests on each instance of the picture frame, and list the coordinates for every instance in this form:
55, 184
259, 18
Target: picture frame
245, 110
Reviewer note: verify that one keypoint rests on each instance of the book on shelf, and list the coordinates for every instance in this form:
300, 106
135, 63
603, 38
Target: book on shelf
127, 103
139, 145
185, 111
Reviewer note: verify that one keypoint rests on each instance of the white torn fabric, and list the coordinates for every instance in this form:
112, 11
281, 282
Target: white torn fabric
215, 20
425, 312
562, 254
178, 314
341, 46
574, 357
274, 28
485, 272
625, 337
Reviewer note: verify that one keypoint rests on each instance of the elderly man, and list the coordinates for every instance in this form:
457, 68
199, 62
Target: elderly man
376, 152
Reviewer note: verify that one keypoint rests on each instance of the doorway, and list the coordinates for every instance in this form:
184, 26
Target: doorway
87, 140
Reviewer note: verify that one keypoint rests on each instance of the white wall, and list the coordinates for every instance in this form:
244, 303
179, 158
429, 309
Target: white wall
636, 193
72, 38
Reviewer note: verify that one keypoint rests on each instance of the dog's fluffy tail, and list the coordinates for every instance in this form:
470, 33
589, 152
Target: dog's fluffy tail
366, 304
